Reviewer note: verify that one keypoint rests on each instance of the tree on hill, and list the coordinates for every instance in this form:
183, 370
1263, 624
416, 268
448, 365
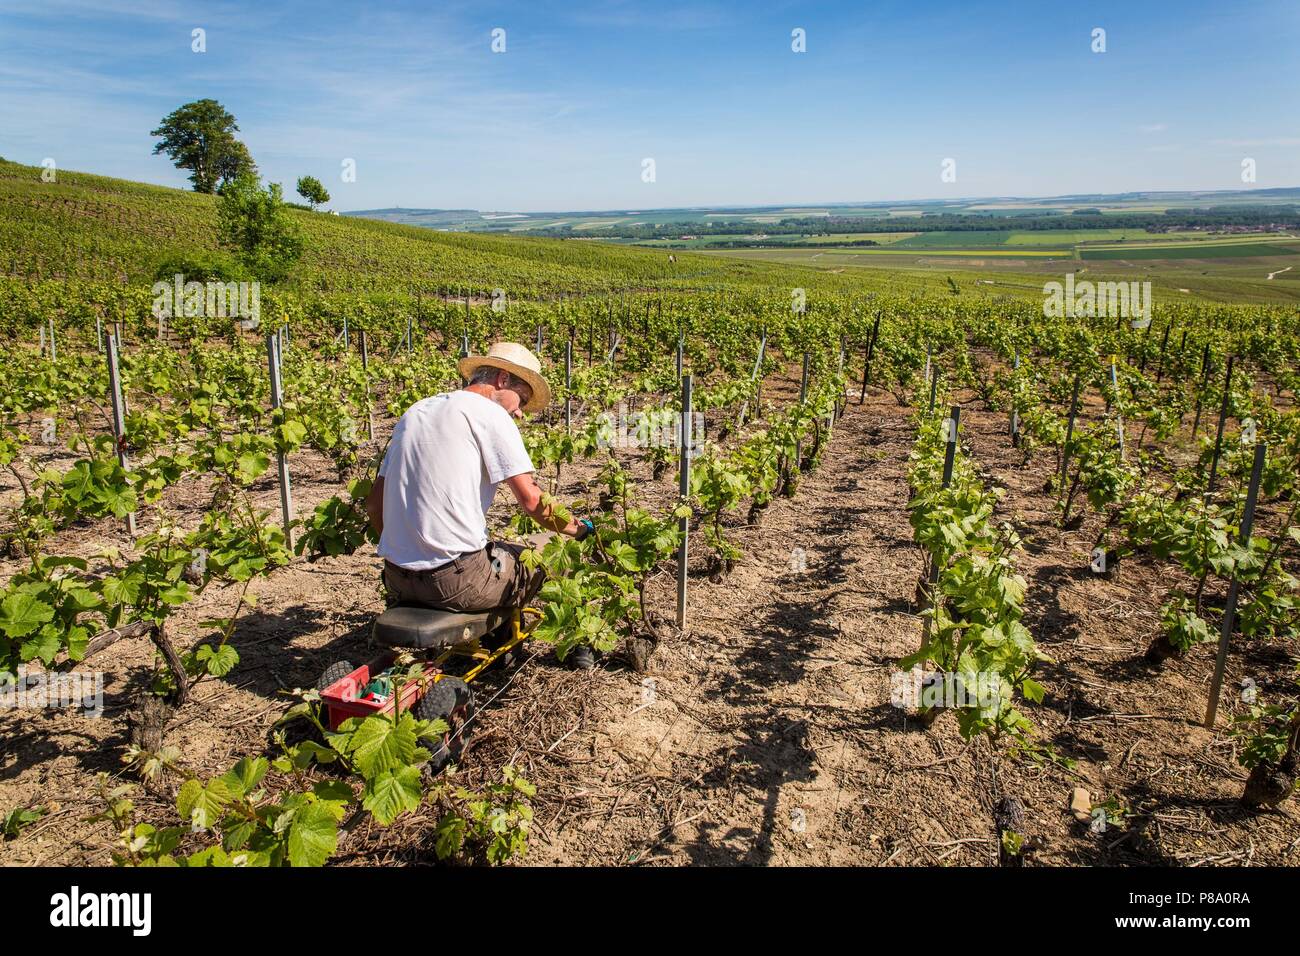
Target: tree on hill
235, 161
200, 137
255, 223
311, 189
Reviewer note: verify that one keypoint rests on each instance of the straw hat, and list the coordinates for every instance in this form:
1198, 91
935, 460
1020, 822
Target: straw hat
517, 360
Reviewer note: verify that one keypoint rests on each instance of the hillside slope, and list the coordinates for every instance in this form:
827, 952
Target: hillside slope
109, 230
114, 234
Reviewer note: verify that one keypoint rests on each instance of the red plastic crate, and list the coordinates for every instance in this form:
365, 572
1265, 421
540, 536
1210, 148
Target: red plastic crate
341, 700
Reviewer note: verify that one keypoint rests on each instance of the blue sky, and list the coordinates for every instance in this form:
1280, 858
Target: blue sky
712, 92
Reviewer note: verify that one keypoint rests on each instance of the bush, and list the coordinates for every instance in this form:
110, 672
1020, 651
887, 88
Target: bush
200, 266
255, 224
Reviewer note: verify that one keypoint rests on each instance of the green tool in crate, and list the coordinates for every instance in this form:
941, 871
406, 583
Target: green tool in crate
380, 687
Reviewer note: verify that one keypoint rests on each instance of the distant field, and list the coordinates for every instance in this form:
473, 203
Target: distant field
1204, 250
1049, 242
884, 238
1043, 237
900, 249
956, 240
1235, 277
1191, 239
1057, 238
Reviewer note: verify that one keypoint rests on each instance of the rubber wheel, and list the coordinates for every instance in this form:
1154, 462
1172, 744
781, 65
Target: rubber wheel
335, 672
581, 658
452, 700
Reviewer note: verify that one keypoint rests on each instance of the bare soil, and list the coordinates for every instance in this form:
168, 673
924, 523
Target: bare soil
763, 733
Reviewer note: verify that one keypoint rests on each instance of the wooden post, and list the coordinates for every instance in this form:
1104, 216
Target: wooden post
1164, 341
54, 353
1069, 433
1230, 608
282, 461
934, 388
1205, 378
1015, 410
1223, 415
568, 385
1146, 340
684, 489
119, 418
866, 359
753, 376
950, 451
803, 397
1119, 415
365, 368
866, 372
345, 333
949, 460
838, 407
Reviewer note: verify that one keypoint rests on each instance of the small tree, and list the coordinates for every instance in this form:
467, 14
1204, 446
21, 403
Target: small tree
199, 136
311, 189
256, 224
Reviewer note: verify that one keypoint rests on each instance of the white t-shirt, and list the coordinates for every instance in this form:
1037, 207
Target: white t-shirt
447, 455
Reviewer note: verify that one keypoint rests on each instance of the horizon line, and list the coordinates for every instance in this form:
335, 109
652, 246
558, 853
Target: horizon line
623, 211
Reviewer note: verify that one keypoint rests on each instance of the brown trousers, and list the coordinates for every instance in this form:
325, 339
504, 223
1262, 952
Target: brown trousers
487, 579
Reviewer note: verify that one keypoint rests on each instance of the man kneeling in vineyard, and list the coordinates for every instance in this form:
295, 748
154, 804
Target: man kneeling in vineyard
439, 476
